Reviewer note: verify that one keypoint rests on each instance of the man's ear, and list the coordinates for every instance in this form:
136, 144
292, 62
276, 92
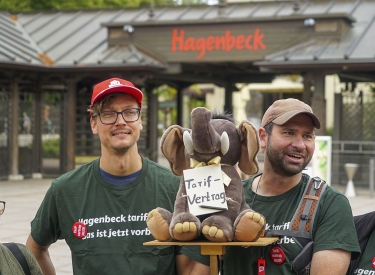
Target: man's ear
263, 137
93, 126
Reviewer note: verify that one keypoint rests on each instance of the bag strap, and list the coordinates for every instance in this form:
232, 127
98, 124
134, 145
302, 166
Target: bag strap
303, 218
19, 256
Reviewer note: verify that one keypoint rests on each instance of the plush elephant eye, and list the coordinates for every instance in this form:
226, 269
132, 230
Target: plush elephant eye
188, 142
224, 141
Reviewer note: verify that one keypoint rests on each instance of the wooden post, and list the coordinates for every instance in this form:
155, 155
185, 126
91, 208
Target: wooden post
214, 251
14, 172
70, 131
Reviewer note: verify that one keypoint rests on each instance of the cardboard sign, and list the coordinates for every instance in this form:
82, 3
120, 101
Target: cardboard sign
205, 190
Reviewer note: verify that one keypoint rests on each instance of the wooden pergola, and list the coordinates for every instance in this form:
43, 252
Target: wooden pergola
67, 52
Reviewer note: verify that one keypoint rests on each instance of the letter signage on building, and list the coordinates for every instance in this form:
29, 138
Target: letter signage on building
227, 42
211, 41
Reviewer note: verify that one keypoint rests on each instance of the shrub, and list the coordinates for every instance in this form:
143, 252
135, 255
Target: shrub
51, 148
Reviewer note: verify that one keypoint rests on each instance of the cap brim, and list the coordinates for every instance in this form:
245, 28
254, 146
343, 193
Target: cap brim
285, 117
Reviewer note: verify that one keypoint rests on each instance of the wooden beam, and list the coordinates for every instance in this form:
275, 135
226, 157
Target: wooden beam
70, 125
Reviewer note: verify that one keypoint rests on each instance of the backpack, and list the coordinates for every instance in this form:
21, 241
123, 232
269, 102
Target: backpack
19, 256
302, 225
364, 225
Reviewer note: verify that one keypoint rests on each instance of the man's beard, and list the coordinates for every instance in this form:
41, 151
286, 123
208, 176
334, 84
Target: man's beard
280, 167
120, 151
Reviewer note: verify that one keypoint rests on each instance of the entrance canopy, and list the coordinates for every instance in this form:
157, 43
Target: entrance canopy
238, 42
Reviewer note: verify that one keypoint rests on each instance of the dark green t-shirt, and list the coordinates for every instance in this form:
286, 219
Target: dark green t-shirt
115, 217
366, 265
333, 229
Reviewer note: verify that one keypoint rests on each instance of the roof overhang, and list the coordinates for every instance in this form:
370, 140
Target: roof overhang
93, 67
344, 64
294, 17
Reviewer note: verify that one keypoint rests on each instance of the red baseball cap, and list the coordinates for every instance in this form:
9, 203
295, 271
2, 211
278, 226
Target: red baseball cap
115, 85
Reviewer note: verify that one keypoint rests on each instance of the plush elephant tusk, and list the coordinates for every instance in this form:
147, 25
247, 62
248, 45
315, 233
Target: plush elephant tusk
188, 143
224, 140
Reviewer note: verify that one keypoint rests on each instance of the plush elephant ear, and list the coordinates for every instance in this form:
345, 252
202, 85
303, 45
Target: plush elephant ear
248, 162
172, 147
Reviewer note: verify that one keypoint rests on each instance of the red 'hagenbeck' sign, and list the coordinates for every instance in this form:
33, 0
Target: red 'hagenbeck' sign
226, 42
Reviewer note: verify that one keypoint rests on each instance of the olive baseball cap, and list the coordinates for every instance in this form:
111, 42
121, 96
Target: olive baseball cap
284, 109
115, 85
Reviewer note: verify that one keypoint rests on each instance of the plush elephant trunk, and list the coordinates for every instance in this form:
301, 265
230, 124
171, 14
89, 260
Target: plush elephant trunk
201, 127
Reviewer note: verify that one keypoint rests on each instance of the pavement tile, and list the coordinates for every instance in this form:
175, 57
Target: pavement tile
24, 197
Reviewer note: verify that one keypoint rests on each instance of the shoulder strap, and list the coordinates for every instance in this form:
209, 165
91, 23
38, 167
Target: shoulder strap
304, 216
303, 219
19, 256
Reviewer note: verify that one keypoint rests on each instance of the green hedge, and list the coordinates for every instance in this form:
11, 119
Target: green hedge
51, 148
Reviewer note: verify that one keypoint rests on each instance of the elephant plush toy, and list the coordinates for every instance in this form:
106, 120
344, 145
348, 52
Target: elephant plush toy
212, 137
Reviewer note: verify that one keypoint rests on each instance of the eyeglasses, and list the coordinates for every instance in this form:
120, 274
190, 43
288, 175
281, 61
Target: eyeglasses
2, 207
110, 117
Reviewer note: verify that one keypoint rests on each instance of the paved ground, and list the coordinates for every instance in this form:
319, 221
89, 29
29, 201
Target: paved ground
24, 197
22, 201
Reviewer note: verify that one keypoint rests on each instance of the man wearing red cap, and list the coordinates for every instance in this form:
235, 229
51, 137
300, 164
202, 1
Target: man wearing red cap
288, 139
100, 209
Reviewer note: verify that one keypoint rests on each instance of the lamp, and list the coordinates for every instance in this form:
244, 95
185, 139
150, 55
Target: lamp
128, 28
309, 22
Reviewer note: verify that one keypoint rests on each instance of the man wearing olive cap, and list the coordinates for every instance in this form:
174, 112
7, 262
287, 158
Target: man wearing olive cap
288, 140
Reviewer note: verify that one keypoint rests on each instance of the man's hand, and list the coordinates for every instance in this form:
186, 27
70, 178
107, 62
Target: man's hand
42, 256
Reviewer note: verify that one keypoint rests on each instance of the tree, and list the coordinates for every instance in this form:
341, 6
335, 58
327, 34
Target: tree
13, 5
34, 5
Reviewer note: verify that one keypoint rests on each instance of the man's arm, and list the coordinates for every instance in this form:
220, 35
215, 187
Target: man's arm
42, 256
187, 266
328, 262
